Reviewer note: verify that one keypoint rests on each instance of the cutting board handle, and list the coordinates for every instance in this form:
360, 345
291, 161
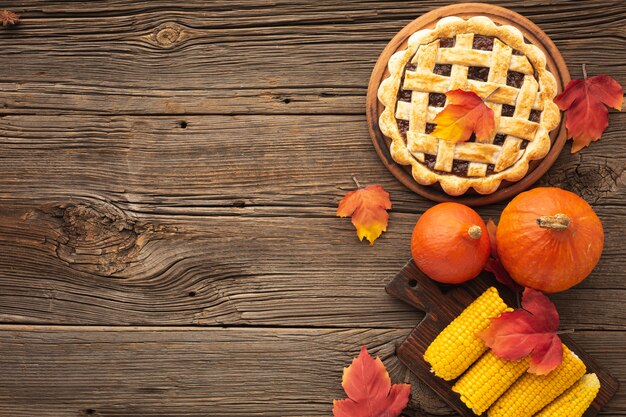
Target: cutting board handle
414, 288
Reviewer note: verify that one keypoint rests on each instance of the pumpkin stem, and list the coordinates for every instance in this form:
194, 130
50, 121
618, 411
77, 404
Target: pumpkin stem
475, 232
557, 222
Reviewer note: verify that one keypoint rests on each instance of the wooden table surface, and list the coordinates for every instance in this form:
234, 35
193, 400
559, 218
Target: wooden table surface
169, 174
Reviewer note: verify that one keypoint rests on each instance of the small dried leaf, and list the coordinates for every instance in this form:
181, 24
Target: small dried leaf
493, 263
8, 18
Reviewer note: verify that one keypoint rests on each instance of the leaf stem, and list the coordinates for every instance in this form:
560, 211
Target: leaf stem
492, 93
585, 71
358, 185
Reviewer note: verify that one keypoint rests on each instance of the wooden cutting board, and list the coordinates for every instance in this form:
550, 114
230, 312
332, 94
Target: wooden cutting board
441, 305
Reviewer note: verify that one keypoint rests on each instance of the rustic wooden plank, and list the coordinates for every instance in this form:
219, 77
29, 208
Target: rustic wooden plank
108, 371
271, 160
128, 220
164, 57
183, 270
51, 371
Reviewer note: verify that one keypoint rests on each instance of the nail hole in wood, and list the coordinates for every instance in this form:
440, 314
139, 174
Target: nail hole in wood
413, 283
287, 100
192, 293
183, 125
90, 411
239, 203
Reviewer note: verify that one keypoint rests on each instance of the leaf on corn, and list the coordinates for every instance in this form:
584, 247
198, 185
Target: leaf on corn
531, 330
369, 389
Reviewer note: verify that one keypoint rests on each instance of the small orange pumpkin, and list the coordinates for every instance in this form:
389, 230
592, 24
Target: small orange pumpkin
450, 243
549, 239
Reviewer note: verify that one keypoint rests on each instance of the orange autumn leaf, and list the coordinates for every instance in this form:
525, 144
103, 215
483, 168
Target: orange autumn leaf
584, 102
530, 330
465, 113
368, 207
369, 390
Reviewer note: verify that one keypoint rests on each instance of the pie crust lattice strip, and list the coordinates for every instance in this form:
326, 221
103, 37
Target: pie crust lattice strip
473, 55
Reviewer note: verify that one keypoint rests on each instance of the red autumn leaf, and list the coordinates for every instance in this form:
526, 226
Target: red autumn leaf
465, 113
493, 263
369, 390
584, 102
531, 330
368, 207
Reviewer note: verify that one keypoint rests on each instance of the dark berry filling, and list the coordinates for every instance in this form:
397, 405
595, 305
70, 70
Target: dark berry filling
436, 99
478, 73
483, 43
514, 79
443, 69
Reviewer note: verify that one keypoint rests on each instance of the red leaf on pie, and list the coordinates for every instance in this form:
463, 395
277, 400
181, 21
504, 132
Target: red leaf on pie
493, 263
369, 390
368, 207
464, 113
584, 102
531, 330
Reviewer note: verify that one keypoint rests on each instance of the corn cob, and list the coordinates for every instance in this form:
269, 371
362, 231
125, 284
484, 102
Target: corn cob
533, 392
575, 401
487, 380
457, 346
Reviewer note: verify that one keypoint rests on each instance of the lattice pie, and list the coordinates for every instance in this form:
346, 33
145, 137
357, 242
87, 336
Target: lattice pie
474, 55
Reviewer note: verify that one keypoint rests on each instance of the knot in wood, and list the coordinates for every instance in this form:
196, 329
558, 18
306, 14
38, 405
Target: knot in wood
592, 180
98, 237
167, 35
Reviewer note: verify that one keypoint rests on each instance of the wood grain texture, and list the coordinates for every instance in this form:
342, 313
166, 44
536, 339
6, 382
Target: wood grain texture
74, 371
68, 371
242, 57
168, 163
154, 211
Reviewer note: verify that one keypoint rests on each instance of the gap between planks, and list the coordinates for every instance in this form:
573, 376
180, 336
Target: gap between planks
12, 326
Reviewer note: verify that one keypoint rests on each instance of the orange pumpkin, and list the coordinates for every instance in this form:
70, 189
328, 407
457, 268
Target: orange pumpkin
549, 239
450, 243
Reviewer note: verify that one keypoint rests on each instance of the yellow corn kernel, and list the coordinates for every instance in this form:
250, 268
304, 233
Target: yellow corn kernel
457, 346
533, 392
487, 380
575, 401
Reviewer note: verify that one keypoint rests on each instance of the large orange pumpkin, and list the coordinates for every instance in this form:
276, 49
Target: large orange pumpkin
450, 243
549, 239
